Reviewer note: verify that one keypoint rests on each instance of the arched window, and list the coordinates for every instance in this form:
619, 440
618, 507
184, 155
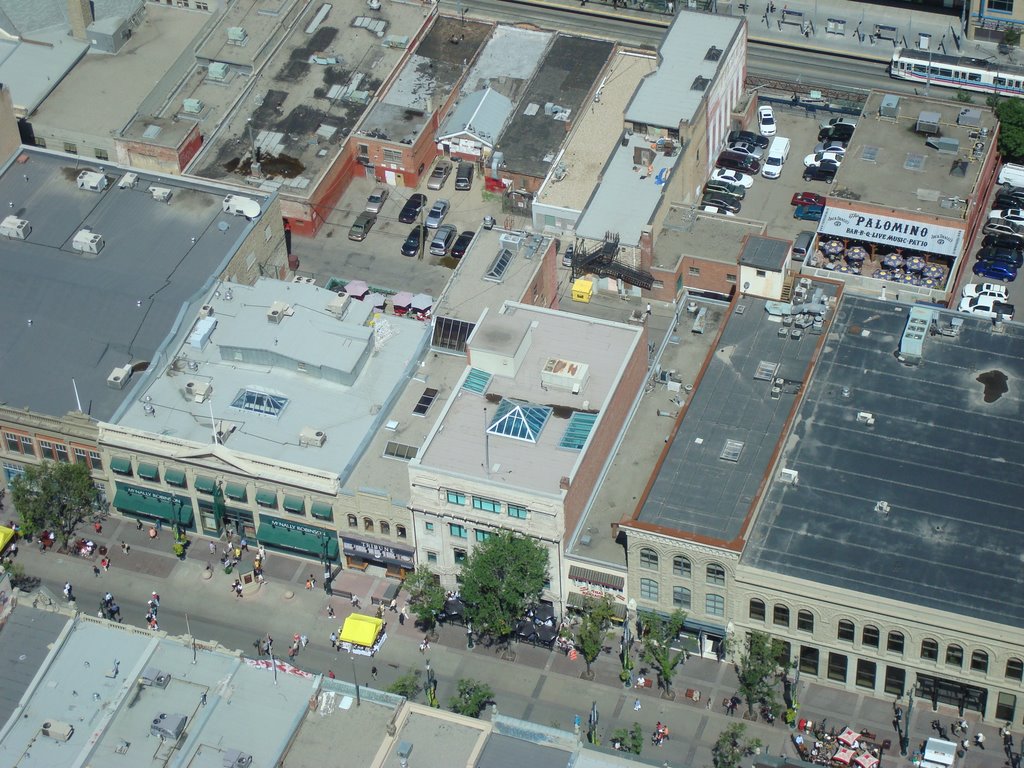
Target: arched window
894, 643
979, 661
805, 621
648, 589
954, 655
757, 609
681, 566
353, 521
649, 559
368, 524
681, 598
400, 531
780, 615
716, 575
929, 649
714, 605
385, 528
1015, 669
870, 636
846, 630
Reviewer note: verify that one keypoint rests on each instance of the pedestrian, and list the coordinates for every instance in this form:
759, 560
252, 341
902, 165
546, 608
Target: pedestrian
334, 640
238, 553
330, 673
423, 646
355, 601
153, 624
258, 645
213, 548
312, 581
68, 591
243, 545
138, 524
373, 672
303, 640
156, 598
97, 526
96, 571
964, 727
401, 618
330, 611
648, 309
262, 552
636, 705
393, 605
105, 563
309, 583
979, 739
899, 714
237, 586
124, 548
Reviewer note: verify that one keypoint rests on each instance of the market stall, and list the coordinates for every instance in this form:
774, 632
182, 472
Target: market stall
938, 754
363, 635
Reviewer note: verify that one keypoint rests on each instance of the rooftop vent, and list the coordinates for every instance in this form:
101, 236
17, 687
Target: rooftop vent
55, 729
700, 83
192, 106
789, 476
713, 54
732, 450
237, 36
277, 312
882, 507
86, 241
92, 181
217, 71
863, 417
198, 391
564, 375
154, 677
161, 194
312, 438
14, 228
119, 377
234, 758
167, 726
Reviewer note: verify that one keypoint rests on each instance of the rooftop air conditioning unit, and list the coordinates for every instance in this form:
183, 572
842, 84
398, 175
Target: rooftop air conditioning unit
312, 438
128, 181
92, 181
863, 417
119, 377
198, 391
167, 726
206, 310
788, 476
14, 228
233, 758
58, 730
154, 677
277, 312
237, 35
192, 106
86, 241
161, 194
882, 507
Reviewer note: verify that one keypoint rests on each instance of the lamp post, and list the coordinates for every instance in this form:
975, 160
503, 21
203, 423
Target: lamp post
469, 635
355, 680
905, 735
325, 543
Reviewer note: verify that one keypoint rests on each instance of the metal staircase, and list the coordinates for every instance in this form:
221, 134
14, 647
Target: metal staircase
601, 261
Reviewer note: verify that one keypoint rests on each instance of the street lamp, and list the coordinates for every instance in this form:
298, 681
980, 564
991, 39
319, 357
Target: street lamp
469, 635
325, 543
905, 735
355, 679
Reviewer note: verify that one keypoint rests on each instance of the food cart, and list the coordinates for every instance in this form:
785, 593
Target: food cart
363, 635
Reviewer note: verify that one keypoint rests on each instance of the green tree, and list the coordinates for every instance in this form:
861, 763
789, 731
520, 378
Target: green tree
597, 616
964, 96
407, 685
426, 596
760, 664
732, 746
54, 496
658, 636
631, 740
1011, 131
471, 698
502, 577
1011, 36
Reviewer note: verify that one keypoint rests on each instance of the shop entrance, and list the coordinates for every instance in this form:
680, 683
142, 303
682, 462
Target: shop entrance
960, 695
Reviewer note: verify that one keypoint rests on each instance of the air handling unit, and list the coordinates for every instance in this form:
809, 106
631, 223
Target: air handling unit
238, 205
92, 181
86, 241
14, 228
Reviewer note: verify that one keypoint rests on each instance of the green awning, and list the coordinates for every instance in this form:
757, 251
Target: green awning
152, 506
235, 491
266, 498
294, 503
307, 542
149, 472
175, 477
121, 465
205, 484
322, 511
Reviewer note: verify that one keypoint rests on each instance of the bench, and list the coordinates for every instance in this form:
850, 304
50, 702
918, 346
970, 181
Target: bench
389, 594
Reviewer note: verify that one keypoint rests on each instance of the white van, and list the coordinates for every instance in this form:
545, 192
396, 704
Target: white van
1012, 174
778, 151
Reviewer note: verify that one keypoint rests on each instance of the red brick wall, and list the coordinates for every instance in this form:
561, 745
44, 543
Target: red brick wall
713, 275
543, 289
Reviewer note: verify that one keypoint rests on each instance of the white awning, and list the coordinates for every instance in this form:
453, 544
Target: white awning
892, 231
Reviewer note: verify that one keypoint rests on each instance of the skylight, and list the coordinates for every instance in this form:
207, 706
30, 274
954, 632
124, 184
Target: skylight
578, 430
476, 381
519, 419
260, 401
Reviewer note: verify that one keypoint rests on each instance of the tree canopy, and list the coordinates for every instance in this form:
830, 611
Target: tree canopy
597, 615
502, 577
426, 596
407, 685
758, 669
470, 698
732, 746
54, 496
658, 635
1011, 130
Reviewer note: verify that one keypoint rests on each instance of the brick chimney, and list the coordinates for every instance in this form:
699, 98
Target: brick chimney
80, 17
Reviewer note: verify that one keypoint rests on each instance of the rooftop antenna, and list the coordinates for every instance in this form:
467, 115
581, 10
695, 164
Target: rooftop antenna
213, 425
78, 400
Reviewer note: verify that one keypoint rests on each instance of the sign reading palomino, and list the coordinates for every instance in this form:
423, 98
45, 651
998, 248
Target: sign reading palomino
899, 233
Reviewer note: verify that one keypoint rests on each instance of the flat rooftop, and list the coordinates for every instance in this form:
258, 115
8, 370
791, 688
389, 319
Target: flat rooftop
888, 162
270, 381
302, 111
508, 353
25, 641
508, 61
339, 720
667, 98
120, 82
91, 313
686, 232
948, 463
31, 70
711, 471
596, 127
628, 193
567, 75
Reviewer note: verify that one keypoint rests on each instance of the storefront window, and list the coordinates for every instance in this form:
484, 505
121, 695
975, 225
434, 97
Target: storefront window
837, 667
809, 660
866, 671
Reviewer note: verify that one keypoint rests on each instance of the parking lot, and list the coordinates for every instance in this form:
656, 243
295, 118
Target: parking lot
378, 259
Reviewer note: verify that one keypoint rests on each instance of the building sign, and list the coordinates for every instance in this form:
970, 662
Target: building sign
149, 493
898, 233
599, 593
298, 527
371, 550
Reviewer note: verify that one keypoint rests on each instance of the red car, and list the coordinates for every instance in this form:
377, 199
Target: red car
807, 198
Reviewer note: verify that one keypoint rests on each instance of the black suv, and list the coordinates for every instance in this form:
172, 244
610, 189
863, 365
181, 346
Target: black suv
748, 136
1012, 242
1009, 256
412, 208
411, 246
825, 172
841, 132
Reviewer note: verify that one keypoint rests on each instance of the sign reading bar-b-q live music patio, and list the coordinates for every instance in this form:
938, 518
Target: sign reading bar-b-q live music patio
891, 231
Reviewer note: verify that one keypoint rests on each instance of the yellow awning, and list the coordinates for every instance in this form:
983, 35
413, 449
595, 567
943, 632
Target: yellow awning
361, 630
6, 534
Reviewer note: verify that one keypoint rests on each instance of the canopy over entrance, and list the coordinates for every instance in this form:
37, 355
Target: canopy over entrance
361, 630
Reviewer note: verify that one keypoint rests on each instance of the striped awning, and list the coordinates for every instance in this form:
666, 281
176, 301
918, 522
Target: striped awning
576, 600
590, 576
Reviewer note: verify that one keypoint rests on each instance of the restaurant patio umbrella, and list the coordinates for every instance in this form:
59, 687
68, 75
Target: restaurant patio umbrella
893, 261
866, 760
933, 271
421, 302
848, 737
833, 247
357, 288
374, 299
526, 630
843, 755
402, 299
547, 635
915, 264
857, 253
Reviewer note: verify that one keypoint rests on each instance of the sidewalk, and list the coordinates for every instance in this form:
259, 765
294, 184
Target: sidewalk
540, 685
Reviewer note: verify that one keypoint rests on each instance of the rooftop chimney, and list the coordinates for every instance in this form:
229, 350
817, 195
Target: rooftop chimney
80, 17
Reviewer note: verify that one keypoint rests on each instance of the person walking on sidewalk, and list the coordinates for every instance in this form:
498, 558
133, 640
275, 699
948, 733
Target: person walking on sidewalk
243, 545
334, 640
68, 591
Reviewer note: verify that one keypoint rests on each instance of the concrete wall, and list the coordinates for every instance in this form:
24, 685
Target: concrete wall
761, 282
160, 159
263, 251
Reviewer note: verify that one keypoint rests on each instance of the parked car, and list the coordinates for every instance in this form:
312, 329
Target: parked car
375, 201
1000, 227
443, 239
838, 121
986, 289
417, 235
1003, 241
1012, 215
567, 255
1005, 202
839, 132
830, 146
995, 270
464, 176
716, 209
732, 177
809, 212
1010, 256
823, 157
826, 173
1010, 189
766, 121
747, 136
724, 188
736, 162
987, 306
745, 148
411, 210
462, 244
437, 214
807, 198
361, 226
730, 204
439, 175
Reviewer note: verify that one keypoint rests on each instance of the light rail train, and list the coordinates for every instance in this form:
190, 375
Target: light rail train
982, 75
